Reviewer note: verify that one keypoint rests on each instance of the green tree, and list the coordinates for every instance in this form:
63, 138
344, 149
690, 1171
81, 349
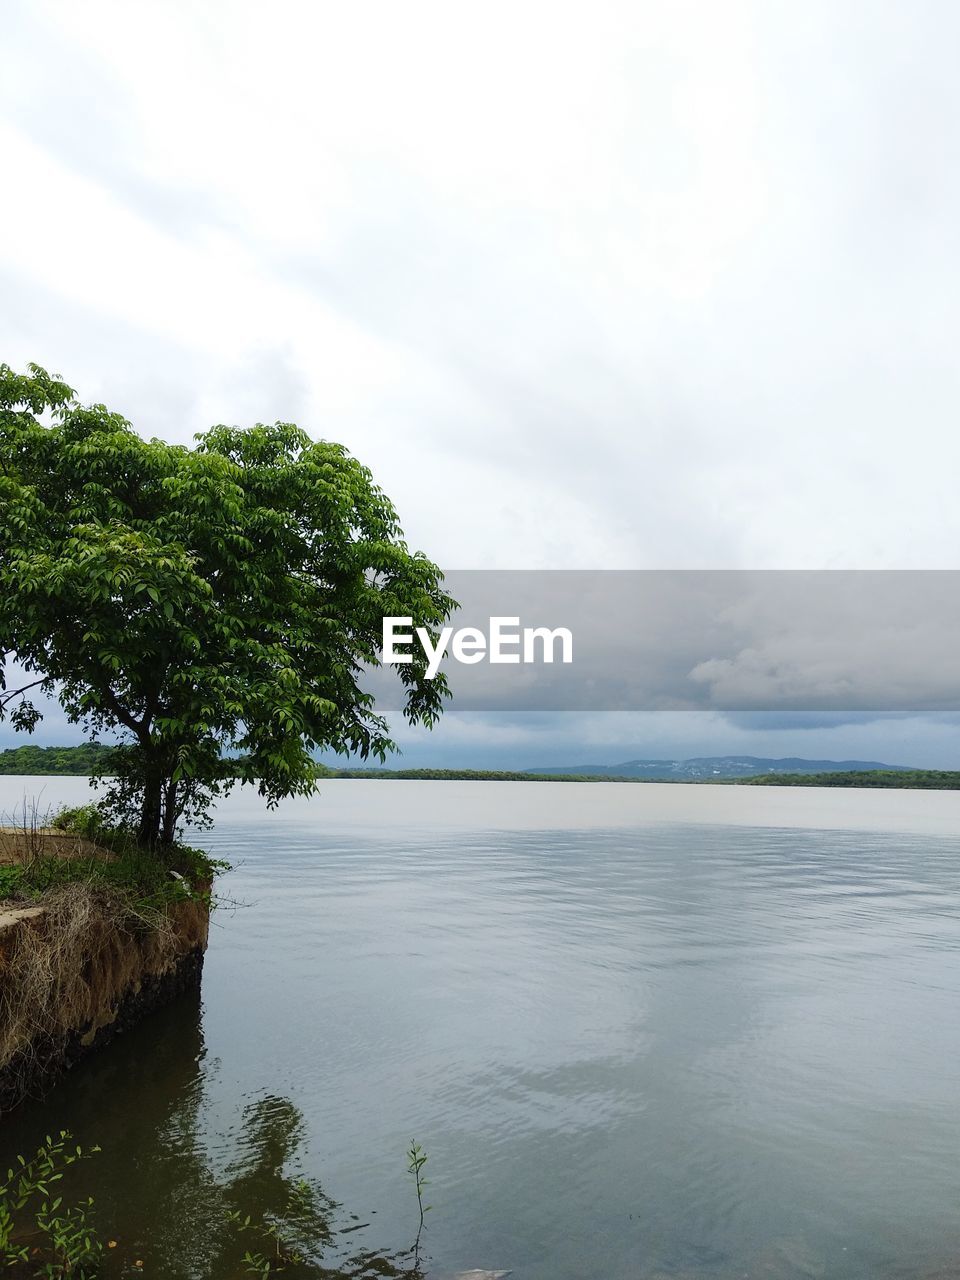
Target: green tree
199, 601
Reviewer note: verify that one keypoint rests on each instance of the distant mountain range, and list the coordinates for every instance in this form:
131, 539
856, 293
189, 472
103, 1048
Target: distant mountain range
700, 767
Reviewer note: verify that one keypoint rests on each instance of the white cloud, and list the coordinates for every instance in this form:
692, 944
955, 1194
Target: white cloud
609, 285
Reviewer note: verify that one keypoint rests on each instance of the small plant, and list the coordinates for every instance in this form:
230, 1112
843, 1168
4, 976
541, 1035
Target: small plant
417, 1158
10, 881
256, 1264
73, 1242
84, 820
36, 1228
298, 1218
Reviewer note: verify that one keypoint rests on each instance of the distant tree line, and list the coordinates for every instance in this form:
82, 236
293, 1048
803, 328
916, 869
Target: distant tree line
470, 775
94, 758
90, 758
916, 779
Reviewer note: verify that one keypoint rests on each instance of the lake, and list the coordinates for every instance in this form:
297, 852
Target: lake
640, 1031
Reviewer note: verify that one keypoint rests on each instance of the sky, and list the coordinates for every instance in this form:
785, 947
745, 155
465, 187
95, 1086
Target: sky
645, 285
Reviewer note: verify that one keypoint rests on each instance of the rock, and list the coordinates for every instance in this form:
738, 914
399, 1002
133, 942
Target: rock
479, 1275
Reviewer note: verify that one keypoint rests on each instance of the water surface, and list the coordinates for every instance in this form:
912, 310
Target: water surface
641, 1030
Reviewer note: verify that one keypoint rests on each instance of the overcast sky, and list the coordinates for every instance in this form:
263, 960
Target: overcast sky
634, 285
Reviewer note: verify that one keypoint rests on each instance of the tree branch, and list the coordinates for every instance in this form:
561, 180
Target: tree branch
10, 694
126, 719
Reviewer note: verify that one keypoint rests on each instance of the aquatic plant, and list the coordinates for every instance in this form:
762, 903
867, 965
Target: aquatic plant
417, 1158
253, 1219
39, 1234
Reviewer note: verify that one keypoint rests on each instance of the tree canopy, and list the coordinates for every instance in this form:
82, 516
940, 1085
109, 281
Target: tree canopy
224, 598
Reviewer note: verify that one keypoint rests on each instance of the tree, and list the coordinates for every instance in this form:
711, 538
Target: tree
199, 601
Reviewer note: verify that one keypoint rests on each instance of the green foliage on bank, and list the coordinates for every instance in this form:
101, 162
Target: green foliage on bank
914, 779
86, 760
87, 851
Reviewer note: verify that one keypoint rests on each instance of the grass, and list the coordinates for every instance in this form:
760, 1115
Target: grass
74, 847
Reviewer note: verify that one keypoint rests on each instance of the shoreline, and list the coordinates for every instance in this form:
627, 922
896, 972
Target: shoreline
887, 780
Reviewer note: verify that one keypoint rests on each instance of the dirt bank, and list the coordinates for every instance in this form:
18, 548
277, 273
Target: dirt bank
81, 965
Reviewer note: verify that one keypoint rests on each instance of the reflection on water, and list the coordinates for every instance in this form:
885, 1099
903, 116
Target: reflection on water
160, 1199
640, 1031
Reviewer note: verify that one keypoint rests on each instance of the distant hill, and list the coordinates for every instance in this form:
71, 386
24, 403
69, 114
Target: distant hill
704, 768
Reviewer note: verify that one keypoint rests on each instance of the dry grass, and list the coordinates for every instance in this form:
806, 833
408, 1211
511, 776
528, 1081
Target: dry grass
18, 846
64, 968
27, 836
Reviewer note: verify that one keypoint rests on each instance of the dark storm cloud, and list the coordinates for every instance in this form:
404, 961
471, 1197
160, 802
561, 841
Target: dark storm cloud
844, 645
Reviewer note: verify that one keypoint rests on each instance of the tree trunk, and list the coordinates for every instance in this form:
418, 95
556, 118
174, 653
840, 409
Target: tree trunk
151, 811
170, 814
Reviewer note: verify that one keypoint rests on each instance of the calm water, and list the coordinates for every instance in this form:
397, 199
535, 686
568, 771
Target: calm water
640, 1030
